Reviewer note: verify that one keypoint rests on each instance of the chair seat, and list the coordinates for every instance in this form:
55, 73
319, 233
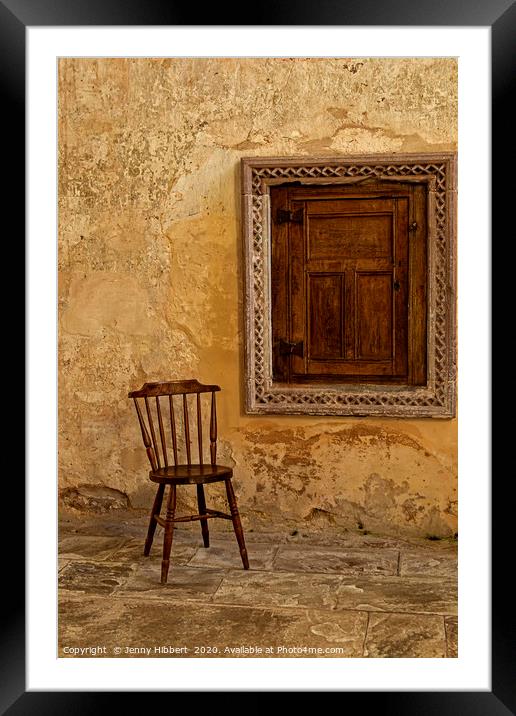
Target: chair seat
191, 474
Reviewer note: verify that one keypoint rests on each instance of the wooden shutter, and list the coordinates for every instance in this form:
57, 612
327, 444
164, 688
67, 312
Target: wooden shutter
348, 290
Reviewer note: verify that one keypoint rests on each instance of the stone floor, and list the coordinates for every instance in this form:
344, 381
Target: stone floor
320, 594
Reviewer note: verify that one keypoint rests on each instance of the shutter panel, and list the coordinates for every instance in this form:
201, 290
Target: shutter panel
340, 285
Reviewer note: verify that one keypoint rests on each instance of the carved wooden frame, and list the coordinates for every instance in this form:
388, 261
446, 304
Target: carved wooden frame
437, 399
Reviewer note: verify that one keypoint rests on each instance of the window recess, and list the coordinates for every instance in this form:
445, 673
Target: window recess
349, 302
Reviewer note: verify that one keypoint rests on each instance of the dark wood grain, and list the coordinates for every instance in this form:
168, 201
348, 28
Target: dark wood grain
353, 269
173, 432
237, 525
190, 474
199, 429
373, 316
176, 387
145, 436
162, 433
401, 304
297, 317
213, 430
198, 474
325, 315
152, 431
169, 532
201, 503
156, 509
279, 284
186, 425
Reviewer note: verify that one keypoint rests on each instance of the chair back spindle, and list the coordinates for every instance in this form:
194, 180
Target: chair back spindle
156, 433
145, 436
153, 421
187, 430
162, 433
152, 431
173, 427
199, 428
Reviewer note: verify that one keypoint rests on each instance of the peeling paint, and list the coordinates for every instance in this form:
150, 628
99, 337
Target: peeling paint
151, 276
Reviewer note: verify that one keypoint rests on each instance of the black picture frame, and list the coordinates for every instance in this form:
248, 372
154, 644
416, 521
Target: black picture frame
500, 15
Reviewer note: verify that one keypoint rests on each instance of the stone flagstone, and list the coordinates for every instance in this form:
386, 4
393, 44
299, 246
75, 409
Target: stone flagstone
132, 551
89, 547
279, 589
452, 637
343, 561
93, 577
405, 636
153, 629
428, 563
183, 582
398, 594
345, 594
227, 555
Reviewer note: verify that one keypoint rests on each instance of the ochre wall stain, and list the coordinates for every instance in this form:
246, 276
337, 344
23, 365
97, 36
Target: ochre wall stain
150, 275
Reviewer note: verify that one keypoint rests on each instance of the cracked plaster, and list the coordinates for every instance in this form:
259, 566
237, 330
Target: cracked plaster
150, 273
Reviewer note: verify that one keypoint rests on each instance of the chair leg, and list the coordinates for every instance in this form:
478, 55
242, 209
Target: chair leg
202, 511
169, 532
156, 508
237, 525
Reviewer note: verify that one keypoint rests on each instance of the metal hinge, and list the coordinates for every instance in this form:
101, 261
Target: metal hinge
291, 349
289, 217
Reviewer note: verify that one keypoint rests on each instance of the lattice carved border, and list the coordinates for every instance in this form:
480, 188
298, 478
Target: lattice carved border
437, 398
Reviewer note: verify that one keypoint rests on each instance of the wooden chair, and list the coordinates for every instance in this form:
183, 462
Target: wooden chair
197, 474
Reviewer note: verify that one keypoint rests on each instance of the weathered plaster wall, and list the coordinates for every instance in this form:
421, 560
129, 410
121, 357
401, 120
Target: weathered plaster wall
150, 283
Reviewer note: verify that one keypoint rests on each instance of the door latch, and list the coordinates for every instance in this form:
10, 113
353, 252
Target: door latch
287, 348
289, 217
